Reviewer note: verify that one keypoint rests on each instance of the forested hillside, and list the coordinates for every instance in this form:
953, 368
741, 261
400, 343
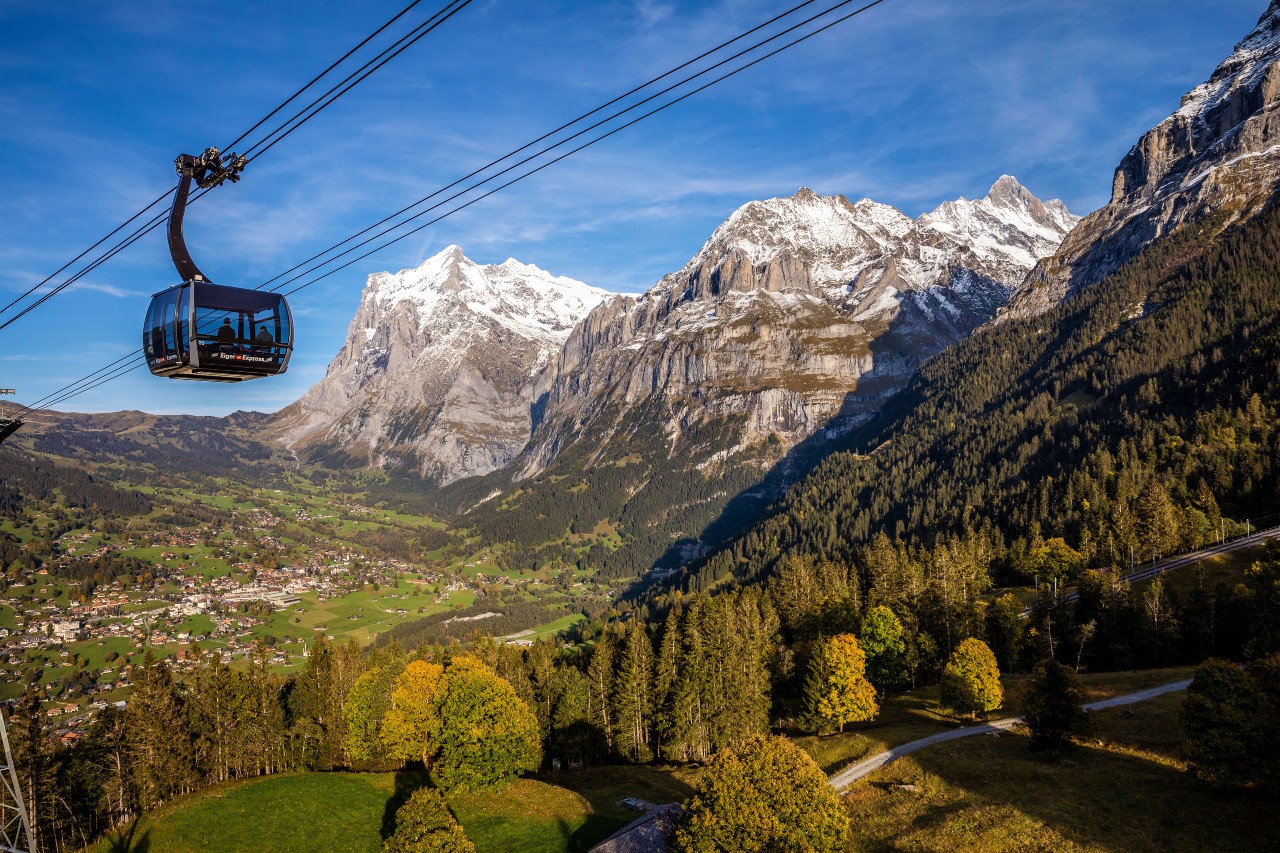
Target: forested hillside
1137, 415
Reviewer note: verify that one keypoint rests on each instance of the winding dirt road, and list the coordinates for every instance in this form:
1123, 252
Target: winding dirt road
854, 772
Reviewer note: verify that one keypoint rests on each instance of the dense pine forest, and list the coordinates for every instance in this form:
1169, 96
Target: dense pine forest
1141, 415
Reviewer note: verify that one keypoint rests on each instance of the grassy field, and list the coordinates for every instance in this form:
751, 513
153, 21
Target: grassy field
353, 812
1125, 789
917, 714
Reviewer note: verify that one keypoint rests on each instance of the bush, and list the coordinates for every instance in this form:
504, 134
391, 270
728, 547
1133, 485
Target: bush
424, 824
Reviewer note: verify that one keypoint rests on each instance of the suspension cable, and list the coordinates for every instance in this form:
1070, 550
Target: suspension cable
430, 24
731, 73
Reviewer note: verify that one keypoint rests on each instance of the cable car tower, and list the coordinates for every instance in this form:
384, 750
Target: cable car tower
15, 825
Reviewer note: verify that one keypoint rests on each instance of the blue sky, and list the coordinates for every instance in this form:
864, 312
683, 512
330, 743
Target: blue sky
913, 103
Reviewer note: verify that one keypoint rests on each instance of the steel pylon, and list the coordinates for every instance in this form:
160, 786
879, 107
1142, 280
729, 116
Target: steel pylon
15, 826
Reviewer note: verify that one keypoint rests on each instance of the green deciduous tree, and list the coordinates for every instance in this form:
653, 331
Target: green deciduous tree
885, 644
765, 795
1052, 706
487, 733
971, 679
837, 690
424, 824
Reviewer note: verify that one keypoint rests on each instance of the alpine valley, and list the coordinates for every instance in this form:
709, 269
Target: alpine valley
544, 406
534, 554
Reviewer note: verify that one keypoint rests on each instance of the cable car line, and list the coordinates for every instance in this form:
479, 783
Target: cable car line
577, 135
79, 387
544, 137
390, 53
233, 143
122, 225
299, 117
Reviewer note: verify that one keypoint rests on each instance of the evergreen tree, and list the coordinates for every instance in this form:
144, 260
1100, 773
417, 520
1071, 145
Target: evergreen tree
1157, 524
1227, 736
160, 743
971, 680
665, 681
1052, 707
633, 694
600, 686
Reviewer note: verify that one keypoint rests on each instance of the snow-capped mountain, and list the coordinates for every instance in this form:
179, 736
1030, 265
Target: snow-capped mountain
1219, 153
441, 367
798, 314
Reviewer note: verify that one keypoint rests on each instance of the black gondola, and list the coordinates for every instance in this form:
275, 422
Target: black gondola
207, 331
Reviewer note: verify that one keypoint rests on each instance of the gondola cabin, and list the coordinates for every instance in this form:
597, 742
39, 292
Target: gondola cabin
201, 330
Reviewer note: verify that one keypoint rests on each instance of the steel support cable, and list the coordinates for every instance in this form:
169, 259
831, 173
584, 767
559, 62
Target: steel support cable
578, 135
154, 223
116, 374
242, 136
542, 138
400, 46
117, 229
567, 154
519, 150
43, 402
321, 75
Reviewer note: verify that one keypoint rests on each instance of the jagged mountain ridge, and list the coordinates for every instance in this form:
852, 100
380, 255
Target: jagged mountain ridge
441, 368
796, 311
676, 416
1219, 153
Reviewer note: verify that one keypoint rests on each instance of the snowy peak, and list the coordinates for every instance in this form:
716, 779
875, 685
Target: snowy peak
805, 225
442, 367
1243, 68
1219, 152
999, 237
521, 297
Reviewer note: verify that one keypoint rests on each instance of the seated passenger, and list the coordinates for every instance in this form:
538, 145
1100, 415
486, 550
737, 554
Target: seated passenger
226, 333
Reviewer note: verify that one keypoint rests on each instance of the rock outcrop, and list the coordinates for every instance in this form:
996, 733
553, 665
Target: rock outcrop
1218, 154
442, 368
798, 314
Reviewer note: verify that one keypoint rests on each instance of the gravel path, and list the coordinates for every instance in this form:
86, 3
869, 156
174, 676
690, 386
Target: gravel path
854, 772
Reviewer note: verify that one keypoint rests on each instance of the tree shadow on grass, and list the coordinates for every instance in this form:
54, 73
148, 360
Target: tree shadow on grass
407, 781
592, 831
1093, 796
124, 842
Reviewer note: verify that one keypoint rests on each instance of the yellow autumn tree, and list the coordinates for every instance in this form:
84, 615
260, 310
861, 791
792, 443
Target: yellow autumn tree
971, 679
837, 690
411, 727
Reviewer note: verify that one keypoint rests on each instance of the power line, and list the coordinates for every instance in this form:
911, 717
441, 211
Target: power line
296, 120
731, 73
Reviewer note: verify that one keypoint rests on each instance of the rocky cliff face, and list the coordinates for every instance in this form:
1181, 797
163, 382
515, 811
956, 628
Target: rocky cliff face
441, 369
1220, 152
799, 314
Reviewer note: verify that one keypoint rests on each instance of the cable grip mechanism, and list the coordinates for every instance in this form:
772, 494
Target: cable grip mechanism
209, 170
